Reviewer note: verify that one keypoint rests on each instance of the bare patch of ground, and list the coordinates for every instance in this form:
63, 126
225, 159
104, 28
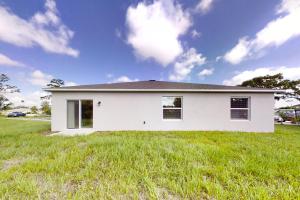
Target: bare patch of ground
165, 194
49, 132
82, 144
7, 164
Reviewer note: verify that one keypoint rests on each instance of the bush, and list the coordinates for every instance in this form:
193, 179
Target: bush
284, 116
296, 120
34, 110
45, 108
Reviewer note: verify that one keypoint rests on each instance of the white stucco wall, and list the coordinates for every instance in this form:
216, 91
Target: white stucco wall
201, 111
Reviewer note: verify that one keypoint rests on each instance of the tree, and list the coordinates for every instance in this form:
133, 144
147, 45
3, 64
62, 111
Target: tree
34, 109
45, 108
54, 83
5, 88
276, 82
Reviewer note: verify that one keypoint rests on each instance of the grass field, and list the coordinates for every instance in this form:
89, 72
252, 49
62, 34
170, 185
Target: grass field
148, 165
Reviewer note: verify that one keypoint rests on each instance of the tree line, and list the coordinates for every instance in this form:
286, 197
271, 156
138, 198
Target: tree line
276, 81
6, 87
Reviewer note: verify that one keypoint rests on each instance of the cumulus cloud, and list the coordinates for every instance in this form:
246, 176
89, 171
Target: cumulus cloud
185, 64
292, 73
275, 33
29, 99
154, 29
39, 78
124, 79
195, 34
206, 72
6, 61
239, 52
204, 6
70, 83
43, 29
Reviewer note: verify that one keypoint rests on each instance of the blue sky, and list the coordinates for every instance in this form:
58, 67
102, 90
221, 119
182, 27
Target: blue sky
202, 41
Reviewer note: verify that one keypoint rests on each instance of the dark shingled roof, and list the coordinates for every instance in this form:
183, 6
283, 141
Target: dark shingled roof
156, 85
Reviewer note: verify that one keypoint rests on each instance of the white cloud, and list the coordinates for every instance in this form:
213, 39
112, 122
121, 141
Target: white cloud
6, 61
275, 33
154, 30
288, 6
204, 6
185, 64
39, 78
292, 73
124, 79
239, 52
206, 72
43, 29
195, 34
70, 83
286, 102
218, 58
30, 99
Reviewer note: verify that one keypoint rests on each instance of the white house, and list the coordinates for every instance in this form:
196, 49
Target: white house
162, 106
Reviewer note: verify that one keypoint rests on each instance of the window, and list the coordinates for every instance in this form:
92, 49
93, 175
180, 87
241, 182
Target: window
86, 114
79, 114
172, 107
72, 114
239, 108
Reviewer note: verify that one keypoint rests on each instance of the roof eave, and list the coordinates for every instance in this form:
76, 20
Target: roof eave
161, 90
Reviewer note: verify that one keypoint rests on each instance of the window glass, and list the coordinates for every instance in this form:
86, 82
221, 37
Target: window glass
239, 114
172, 107
172, 113
72, 114
171, 102
87, 114
239, 108
239, 102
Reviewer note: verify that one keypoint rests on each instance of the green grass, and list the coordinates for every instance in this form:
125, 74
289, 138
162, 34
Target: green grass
148, 165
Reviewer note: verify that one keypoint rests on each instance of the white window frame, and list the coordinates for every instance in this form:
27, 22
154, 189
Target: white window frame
248, 108
181, 114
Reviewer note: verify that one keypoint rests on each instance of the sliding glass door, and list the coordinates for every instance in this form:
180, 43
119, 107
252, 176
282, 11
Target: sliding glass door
79, 112
72, 114
86, 114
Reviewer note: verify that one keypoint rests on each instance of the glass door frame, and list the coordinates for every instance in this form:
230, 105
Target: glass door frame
79, 114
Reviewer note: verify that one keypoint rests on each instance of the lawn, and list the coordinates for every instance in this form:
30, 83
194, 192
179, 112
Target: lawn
148, 165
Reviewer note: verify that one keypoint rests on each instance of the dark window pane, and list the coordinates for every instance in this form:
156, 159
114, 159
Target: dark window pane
239, 102
87, 113
239, 114
172, 113
171, 102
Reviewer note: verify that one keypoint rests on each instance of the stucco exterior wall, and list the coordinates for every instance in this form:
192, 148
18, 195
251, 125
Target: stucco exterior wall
201, 111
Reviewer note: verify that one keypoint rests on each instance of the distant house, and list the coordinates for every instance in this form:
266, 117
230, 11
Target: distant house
290, 112
158, 105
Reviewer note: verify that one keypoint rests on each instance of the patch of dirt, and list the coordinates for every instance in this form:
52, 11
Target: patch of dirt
82, 144
7, 164
165, 194
45, 188
142, 196
70, 187
49, 132
205, 196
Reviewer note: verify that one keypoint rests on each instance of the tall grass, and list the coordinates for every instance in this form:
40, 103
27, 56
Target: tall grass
148, 165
